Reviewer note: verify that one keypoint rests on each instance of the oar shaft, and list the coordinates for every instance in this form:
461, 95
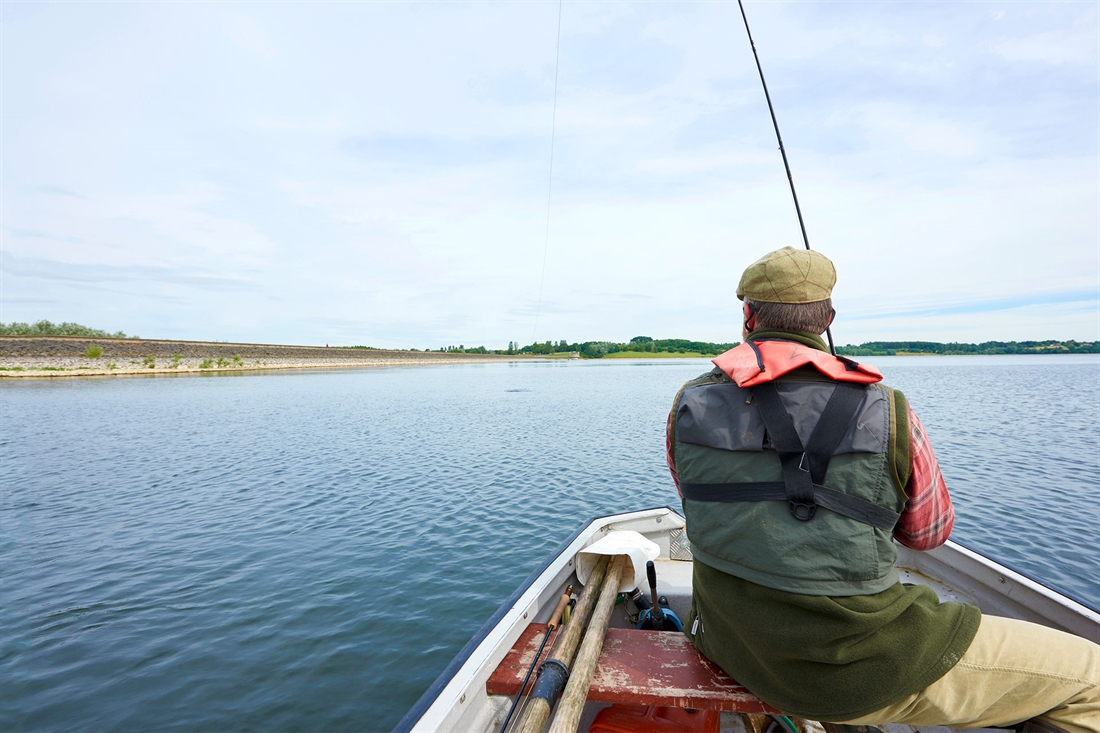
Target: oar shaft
580, 677
538, 707
566, 645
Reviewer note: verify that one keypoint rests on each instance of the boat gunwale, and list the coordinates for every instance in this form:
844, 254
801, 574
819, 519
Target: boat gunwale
1067, 594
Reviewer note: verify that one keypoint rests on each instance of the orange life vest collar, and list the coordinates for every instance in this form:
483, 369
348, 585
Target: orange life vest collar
756, 362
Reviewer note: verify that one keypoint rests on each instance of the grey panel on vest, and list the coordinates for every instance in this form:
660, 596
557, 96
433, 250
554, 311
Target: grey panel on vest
716, 415
722, 416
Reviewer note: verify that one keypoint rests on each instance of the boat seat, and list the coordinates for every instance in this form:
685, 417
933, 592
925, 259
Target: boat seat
661, 668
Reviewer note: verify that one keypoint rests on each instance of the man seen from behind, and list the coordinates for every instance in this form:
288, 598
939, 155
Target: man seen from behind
798, 470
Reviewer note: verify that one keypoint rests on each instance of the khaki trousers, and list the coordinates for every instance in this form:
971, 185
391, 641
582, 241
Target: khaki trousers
1013, 671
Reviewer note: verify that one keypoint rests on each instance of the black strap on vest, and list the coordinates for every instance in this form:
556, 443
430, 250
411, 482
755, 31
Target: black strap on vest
837, 501
804, 468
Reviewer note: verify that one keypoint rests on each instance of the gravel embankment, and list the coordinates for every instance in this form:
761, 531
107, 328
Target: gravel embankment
67, 356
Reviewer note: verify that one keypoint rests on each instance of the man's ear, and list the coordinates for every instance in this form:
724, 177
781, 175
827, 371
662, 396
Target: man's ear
832, 317
750, 317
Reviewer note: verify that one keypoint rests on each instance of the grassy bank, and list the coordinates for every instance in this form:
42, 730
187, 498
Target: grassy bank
658, 355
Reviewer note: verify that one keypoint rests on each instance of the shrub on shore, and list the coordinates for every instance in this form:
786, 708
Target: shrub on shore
94, 351
46, 328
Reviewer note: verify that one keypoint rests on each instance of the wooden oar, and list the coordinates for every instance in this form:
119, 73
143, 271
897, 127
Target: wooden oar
552, 673
555, 617
580, 677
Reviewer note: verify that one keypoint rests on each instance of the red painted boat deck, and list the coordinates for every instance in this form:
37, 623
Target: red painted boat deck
660, 668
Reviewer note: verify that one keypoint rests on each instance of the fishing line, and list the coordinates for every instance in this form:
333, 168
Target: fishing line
782, 150
550, 184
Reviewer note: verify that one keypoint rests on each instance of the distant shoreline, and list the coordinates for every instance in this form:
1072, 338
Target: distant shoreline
662, 356
78, 356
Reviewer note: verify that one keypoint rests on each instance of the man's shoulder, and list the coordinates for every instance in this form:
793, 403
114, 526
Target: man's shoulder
714, 376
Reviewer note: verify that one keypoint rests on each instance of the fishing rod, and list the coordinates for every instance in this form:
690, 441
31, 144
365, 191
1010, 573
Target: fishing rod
550, 182
553, 674
782, 150
555, 618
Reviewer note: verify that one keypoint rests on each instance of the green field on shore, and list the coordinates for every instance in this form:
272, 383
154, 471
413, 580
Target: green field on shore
657, 355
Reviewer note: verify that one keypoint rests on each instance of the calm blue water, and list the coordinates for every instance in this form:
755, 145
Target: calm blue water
285, 552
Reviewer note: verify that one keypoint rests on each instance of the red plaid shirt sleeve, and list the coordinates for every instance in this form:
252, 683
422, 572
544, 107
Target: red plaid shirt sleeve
668, 453
928, 517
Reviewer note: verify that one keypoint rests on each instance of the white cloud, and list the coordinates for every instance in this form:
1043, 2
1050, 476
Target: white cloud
247, 33
939, 138
1068, 46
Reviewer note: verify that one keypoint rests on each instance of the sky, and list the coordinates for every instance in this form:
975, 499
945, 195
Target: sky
398, 174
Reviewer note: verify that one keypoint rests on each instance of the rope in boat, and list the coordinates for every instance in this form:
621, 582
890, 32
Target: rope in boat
550, 184
782, 150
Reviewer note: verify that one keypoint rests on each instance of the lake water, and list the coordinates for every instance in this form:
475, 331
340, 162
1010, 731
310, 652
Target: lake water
307, 551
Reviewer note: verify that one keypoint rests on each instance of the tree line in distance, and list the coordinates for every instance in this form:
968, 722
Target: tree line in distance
642, 346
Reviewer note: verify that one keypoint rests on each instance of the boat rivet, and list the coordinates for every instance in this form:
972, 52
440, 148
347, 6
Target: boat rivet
463, 698
525, 615
659, 519
1002, 579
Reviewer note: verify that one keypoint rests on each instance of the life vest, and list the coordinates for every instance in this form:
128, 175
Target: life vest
787, 474
756, 362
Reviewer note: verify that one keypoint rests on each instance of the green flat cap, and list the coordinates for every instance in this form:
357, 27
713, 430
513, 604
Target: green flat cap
788, 275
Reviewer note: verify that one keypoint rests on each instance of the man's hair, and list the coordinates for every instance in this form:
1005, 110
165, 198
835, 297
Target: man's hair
811, 317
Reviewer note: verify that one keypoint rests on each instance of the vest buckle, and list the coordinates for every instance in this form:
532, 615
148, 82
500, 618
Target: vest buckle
802, 511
